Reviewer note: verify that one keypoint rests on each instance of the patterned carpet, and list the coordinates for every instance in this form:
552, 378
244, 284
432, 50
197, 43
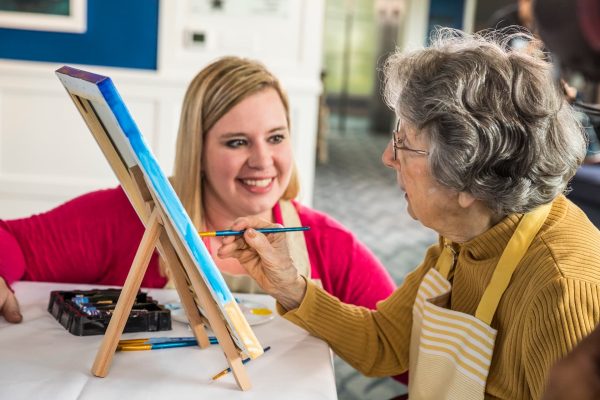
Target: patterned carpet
355, 188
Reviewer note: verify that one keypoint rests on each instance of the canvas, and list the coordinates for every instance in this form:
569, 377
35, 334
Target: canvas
113, 127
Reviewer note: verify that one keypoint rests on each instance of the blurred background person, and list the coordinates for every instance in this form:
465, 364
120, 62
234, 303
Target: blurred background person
571, 30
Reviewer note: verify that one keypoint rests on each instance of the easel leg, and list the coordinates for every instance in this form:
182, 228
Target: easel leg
182, 286
218, 326
127, 297
213, 314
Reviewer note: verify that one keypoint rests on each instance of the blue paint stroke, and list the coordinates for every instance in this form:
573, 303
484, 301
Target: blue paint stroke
165, 191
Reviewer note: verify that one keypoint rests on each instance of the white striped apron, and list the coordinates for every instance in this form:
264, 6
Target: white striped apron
450, 351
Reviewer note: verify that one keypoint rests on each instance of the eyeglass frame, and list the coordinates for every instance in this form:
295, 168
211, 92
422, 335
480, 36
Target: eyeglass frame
398, 144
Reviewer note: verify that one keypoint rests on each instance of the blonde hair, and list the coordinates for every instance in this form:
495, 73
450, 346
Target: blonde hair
214, 91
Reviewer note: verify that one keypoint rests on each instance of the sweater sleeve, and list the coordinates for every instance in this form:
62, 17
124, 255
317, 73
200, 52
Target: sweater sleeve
562, 314
90, 239
12, 262
374, 342
70, 242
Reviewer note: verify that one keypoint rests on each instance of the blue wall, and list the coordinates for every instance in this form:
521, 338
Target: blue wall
445, 13
120, 33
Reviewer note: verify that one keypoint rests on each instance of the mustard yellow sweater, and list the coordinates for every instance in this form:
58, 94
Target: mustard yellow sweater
552, 302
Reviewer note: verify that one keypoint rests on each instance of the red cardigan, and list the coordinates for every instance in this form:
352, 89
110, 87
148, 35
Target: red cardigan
93, 239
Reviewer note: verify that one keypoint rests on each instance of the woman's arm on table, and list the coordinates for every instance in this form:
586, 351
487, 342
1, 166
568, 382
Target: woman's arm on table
12, 268
90, 239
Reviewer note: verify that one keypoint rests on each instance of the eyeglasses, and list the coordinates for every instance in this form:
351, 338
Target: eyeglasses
398, 144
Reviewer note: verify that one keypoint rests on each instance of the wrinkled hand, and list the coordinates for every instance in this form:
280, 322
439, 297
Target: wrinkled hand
9, 307
267, 260
577, 376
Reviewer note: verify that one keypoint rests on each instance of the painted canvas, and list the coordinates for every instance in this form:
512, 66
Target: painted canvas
111, 118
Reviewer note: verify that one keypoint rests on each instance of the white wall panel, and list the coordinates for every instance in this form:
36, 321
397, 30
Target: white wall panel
47, 154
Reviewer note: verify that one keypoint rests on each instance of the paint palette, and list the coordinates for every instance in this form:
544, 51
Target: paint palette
256, 313
88, 312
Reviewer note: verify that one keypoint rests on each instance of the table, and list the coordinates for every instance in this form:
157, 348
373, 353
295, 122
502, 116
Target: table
40, 359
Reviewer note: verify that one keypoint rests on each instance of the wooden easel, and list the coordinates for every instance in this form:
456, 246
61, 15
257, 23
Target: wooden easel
160, 234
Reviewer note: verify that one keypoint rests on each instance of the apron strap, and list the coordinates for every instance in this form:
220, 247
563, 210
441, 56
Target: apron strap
295, 240
445, 262
518, 244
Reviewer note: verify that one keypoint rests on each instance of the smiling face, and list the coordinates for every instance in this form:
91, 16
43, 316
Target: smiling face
428, 202
247, 159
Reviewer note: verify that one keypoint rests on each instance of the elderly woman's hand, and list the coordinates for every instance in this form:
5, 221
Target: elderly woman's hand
267, 260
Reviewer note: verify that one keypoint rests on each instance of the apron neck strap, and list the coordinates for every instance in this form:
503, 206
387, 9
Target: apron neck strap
295, 240
518, 244
445, 262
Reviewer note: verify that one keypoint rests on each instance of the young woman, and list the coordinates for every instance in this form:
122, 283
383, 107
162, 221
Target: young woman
234, 158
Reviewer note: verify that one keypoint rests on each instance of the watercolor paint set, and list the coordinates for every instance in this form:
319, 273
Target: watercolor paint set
88, 312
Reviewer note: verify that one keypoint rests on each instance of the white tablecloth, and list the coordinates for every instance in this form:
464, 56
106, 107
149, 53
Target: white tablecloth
39, 359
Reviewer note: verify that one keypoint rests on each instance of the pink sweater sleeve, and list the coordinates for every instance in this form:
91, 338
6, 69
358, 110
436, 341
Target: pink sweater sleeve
367, 280
12, 262
90, 239
346, 267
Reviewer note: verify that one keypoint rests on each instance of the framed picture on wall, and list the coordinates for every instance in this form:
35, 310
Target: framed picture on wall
44, 15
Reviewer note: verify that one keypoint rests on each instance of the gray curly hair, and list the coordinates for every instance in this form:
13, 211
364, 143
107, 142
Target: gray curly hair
497, 124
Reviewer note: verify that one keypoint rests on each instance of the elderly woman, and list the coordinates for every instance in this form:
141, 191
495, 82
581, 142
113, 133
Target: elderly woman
484, 148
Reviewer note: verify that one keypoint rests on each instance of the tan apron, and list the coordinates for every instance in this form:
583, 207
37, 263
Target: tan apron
450, 351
